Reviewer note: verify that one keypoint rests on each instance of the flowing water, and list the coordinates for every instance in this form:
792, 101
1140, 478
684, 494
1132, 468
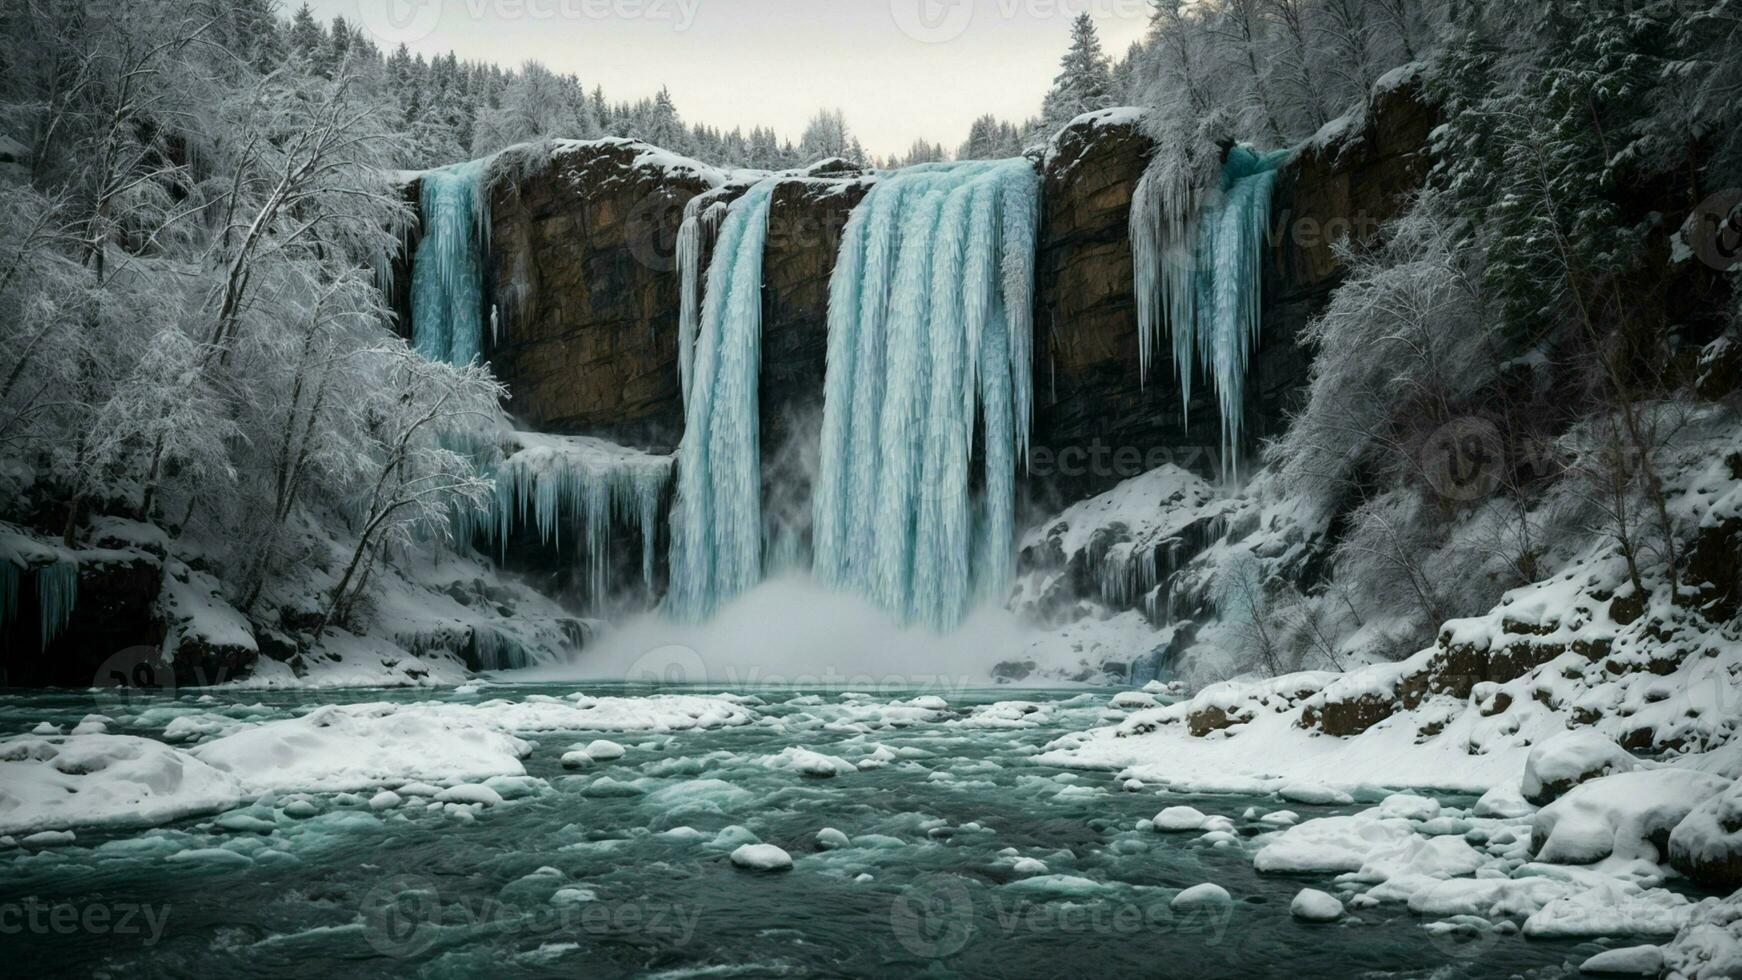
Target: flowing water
623, 869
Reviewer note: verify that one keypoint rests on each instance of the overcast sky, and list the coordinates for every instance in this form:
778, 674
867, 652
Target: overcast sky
901, 69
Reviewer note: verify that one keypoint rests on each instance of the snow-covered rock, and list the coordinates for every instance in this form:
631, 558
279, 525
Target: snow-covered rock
1707, 844
1568, 759
1312, 905
1206, 894
1632, 961
604, 750
762, 857
1179, 820
804, 762
1623, 815
830, 839
1709, 945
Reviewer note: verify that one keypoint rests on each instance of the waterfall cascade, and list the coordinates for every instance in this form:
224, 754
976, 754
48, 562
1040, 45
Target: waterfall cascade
447, 275
578, 485
716, 522
701, 225
1199, 274
930, 336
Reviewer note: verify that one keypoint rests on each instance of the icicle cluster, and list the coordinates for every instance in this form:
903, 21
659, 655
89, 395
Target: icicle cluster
57, 594
930, 337
447, 273
582, 486
56, 577
10, 577
716, 524
1199, 271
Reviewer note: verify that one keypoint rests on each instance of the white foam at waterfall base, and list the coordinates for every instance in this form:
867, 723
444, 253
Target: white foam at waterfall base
1198, 258
929, 342
794, 631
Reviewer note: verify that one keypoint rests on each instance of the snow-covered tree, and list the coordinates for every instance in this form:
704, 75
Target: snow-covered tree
827, 136
1085, 80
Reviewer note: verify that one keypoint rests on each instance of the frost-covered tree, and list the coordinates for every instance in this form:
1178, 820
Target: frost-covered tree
536, 104
827, 135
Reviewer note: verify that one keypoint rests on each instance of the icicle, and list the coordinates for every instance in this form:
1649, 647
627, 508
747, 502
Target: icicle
1199, 276
582, 486
10, 575
57, 593
447, 279
701, 223
716, 526
934, 277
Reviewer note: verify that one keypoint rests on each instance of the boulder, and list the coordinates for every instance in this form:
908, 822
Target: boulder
1707, 845
1568, 759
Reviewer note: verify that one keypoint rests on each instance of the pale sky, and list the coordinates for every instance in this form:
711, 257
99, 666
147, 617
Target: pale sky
900, 69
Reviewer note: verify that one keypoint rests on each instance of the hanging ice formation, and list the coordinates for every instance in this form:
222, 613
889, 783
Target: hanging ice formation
930, 335
701, 225
1199, 273
56, 581
716, 521
581, 486
447, 272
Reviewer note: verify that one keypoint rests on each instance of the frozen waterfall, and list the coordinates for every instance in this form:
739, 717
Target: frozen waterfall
1199, 273
716, 522
930, 335
447, 275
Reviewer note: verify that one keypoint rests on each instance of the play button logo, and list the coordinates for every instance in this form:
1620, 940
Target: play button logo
399, 21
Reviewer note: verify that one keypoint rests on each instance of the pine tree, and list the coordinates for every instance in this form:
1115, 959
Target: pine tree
1085, 80
307, 37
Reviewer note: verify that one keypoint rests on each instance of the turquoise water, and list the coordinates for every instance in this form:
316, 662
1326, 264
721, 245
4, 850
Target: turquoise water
349, 893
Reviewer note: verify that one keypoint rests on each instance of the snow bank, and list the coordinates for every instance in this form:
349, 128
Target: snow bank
351, 748
1709, 946
105, 780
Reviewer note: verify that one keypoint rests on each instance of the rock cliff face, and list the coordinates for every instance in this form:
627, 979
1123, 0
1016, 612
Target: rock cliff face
1097, 421
583, 277
582, 273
